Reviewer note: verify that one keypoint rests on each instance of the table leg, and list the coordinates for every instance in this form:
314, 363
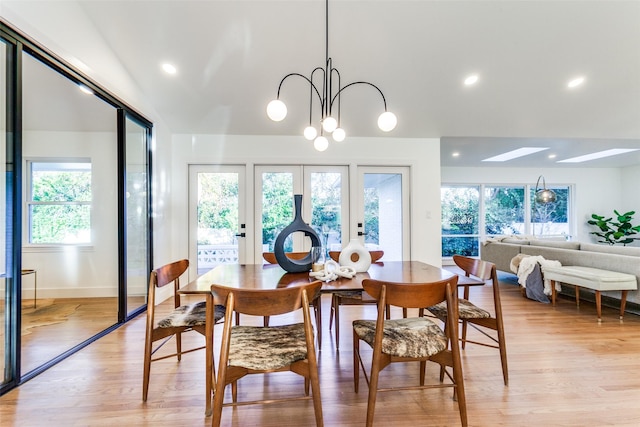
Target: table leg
209, 353
318, 309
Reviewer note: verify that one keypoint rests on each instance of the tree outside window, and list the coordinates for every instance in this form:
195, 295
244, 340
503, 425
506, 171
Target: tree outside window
59, 202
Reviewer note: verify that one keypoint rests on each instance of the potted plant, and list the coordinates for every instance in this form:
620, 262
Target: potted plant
615, 231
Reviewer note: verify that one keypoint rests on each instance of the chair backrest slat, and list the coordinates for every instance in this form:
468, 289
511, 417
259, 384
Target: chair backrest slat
474, 267
170, 272
410, 295
266, 302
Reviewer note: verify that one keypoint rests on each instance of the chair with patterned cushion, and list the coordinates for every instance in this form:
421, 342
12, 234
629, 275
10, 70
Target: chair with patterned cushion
183, 318
357, 297
410, 339
246, 350
477, 317
270, 257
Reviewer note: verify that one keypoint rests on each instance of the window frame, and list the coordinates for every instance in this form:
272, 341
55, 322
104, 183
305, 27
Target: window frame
30, 203
528, 224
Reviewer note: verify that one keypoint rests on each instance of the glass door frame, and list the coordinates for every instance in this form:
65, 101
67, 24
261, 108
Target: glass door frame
244, 242
19, 44
301, 185
358, 203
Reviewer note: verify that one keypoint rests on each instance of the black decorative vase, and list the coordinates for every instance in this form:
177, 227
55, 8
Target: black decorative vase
293, 265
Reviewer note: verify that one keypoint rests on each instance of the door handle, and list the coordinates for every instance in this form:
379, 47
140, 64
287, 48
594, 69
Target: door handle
360, 233
241, 234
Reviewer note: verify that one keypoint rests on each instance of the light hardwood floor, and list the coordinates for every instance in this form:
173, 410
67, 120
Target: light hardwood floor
565, 370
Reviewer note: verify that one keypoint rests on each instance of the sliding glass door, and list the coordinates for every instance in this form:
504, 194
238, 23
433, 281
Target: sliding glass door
76, 239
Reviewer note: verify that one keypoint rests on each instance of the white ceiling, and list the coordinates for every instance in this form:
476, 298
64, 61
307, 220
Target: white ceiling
231, 55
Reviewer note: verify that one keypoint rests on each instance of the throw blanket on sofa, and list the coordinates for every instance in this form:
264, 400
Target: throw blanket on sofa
530, 271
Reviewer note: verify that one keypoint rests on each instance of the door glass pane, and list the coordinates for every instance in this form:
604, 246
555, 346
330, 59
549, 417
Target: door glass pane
71, 294
136, 214
383, 214
460, 207
218, 219
277, 208
326, 208
504, 210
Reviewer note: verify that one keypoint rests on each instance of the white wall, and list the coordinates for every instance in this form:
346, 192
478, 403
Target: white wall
630, 177
421, 155
597, 190
87, 271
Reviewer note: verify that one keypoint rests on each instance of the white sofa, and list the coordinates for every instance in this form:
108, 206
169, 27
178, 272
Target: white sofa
623, 259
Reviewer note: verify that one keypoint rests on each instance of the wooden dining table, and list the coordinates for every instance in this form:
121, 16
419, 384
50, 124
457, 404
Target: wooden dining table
272, 276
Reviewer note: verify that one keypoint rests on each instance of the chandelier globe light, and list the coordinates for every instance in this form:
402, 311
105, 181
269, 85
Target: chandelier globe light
321, 143
325, 83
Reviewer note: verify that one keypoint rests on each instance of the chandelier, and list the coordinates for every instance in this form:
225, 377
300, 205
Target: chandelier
325, 83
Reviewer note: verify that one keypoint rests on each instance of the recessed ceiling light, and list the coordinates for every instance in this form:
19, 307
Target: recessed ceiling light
169, 69
552, 156
472, 79
85, 89
455, 154
575, 82
598, 155
524, 151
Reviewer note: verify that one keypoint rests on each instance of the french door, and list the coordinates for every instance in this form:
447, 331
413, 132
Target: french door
224, 229
217, 224
325, 205
382, 211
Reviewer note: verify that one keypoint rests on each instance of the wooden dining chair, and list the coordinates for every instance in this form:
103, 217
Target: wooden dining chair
409, 339
479, 318
340, 298
183, 318
246, 350
270, 257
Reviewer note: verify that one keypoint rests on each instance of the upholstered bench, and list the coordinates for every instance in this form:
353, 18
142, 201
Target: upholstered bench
591, 278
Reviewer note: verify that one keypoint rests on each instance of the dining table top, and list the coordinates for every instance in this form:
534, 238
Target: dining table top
271, 276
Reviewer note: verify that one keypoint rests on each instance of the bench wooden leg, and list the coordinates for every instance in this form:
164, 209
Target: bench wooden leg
577, 289
623, 303
553, 293
598, 306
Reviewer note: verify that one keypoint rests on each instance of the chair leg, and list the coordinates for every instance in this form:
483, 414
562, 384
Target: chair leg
373, 388
179, 346
147, 369
356, 361
265, 321
336, 315
503, 354
459, 390
464, 334
334, 303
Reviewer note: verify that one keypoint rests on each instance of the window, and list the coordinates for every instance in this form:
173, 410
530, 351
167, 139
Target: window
59, 202
460, 220
472, 213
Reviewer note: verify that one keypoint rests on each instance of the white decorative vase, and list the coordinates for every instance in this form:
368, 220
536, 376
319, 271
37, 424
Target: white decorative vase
355, 255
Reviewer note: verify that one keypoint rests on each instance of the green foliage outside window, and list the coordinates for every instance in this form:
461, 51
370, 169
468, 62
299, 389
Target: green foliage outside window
60, 206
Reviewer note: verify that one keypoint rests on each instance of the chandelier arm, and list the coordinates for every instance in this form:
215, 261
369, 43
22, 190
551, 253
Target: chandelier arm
384, 100
304, 77
335, 70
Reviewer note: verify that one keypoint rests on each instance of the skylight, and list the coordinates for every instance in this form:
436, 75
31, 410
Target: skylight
520, 152
598, 155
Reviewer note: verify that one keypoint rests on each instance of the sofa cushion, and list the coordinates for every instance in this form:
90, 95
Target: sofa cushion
555, 244
516, 241
620, 250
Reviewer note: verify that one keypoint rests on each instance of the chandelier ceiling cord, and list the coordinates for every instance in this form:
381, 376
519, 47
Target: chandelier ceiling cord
327, 95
